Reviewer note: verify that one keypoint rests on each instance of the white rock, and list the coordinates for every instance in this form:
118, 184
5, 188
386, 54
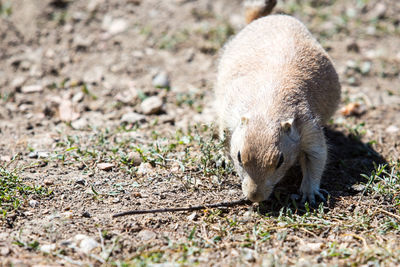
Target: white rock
146, 235
43, 154
88, 244
47, 248
132, 117
114, 26
93, 5
249, 254
161, 80
18, 82
151, 105
80, 124
67, 112
78, 97
33, 203
105, 166
144, 168
311, 247
392, 129
27, 89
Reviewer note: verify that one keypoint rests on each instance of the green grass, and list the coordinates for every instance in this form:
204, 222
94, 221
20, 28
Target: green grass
13, 190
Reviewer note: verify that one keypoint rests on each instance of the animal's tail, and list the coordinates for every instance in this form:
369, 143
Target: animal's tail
258, 8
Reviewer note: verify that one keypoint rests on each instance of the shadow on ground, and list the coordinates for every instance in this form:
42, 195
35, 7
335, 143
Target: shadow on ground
348, 159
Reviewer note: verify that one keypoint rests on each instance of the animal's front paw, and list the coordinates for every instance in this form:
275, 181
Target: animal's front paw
309, 196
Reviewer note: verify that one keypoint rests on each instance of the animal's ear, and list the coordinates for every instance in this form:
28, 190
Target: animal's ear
287, 125
244, 121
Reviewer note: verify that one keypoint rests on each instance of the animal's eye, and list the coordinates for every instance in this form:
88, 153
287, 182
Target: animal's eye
280, 161
239, 158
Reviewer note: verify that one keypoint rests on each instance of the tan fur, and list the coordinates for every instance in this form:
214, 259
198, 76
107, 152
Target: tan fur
276, 76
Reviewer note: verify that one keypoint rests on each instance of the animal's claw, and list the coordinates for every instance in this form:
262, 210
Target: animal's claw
310, 196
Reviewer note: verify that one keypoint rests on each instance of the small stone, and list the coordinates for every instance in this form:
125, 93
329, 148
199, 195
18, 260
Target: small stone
86, 214
114, 26
378, 11
146, 235
144, 168
392, 129
93, 5
135, 158
43, 154
80, 124
132, 117
192, 216
4, 251
48, 182
105, 166
78, 97
81, 43
18, 82
33, 155
47, 248
28, 89
33, 203
248, 254
67, 112
127, 96
5, 158
161, 80
311, 247
358, 187
366, 67
94, 75
151, 105
88, 244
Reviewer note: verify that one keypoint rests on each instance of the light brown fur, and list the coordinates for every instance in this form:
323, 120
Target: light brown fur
276, 87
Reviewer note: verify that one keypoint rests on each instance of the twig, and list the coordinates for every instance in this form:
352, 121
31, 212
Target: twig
390, 214
218, 205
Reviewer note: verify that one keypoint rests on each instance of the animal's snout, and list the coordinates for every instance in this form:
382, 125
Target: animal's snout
254, 192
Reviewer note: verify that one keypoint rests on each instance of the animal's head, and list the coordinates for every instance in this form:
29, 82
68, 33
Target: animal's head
262, 152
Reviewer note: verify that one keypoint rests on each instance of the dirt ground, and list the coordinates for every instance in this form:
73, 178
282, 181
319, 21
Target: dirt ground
106, 106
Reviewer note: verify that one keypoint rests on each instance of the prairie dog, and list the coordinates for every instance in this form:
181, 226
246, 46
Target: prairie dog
276, 87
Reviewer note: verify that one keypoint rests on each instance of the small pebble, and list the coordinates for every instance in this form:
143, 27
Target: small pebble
4, 251
135, 158
146, 235
88, 244
144, 168
28, 89
47, 248
80, 124
33, 203
132, 117
48, 182
151, 105
33, 155
105, 166
78, 97
161, 80
392, 129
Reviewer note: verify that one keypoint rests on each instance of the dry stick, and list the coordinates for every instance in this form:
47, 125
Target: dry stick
218, 205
